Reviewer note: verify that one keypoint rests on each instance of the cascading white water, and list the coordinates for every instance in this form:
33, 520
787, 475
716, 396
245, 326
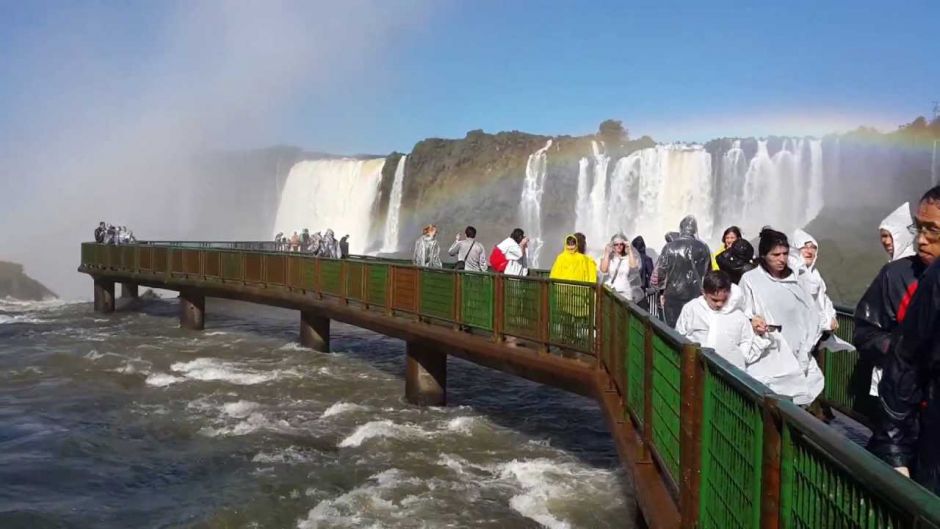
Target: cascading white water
337, 194
533, 187
390, 240
596, 230
582, 209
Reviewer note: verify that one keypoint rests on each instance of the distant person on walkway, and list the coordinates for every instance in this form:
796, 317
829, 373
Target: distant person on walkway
100, 232
427, 252
344, 247
509, 256
278, 245
622, 266
783, 311
470, 254
304, 240
896, 239
295, 242
733, 233
681, 267
572, 265
714, 320
646, 270
906, 433
329, 247
737, 260
110, 236
883, 307
315, 240
803, 261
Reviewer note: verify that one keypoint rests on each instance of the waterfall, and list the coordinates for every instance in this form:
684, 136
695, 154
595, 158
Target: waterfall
390, 240
337, 194
532, 190
597, 228
583, 204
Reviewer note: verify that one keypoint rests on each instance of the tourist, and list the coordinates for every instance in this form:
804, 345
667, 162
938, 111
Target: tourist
680, 269
783, 311
803, 262
470, 254
427, 253
883, 307
715, 321
572, 265
315, 240
329, 247
895, 237
100, 232
344, 247
110, 236
646, 262
737, 260
622, 265
295, 242
509, 256
906, 434
733, 233
278, 246
304, 240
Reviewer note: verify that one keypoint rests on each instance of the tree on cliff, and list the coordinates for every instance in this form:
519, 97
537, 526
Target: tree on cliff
612, 132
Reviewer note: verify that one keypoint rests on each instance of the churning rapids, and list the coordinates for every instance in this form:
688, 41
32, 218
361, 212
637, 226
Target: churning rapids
126, 420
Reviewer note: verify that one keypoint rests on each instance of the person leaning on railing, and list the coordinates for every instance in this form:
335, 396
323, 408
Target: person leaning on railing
906, 430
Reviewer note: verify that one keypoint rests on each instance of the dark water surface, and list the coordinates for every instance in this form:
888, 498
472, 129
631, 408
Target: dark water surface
127, 421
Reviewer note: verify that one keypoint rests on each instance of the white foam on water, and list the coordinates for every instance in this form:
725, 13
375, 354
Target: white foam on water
9, 304
359, 506
293, 346
342, 407
289, 455
240, 409
462, 424
215, 333
384, 428
254, 422
162, 380
211, 369
542, 482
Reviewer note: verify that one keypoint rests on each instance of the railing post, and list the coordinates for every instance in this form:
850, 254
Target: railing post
598, 328
316, 277
418, 275
364, 289
545, 316
499, 312
770, 466
344, 280
690, 438
389, 290
647, 388
457, 313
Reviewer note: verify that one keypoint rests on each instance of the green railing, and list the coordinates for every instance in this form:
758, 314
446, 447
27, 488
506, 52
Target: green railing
732, 454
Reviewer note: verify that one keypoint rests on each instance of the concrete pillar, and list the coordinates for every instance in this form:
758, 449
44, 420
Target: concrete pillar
314, 331
192, 310
129, 290
425, 374
104, 295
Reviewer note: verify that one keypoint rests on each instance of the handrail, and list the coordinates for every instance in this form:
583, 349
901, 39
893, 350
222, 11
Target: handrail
664, 384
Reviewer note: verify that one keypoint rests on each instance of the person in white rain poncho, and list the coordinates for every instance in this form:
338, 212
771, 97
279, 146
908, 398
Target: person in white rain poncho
896, 239
803, 258
427, 252
782, 310
715, 320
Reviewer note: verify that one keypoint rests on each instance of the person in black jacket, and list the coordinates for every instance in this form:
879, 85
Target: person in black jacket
646, 262
684, 262
906, 430
100, 232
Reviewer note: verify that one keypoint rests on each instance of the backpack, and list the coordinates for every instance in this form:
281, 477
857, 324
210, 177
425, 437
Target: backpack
498, 260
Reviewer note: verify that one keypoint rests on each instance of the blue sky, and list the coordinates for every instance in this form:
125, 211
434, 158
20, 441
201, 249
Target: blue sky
675, 70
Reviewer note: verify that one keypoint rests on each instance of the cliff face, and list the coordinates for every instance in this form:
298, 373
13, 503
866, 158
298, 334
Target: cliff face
17, 285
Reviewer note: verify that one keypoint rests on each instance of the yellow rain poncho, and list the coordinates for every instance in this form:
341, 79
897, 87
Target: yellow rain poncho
573, 266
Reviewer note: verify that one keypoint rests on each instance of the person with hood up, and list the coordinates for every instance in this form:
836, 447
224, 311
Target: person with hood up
315, 240
509, 256
572, 265
684, 262
427, 252
100, 232
646, 262
733, 233
715, 321
737, 260
782, 310
344, 247
329, 247
622, 266
803, 258
896, 239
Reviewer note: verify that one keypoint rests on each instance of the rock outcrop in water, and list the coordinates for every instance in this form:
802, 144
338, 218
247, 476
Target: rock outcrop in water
14, 283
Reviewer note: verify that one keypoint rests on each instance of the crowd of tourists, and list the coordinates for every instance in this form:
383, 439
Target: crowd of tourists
768, 312
111, 234
321, 245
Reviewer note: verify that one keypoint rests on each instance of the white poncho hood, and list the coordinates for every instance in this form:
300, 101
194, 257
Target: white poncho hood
896, 223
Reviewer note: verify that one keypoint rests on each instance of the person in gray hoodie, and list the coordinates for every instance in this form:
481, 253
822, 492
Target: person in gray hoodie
470, 254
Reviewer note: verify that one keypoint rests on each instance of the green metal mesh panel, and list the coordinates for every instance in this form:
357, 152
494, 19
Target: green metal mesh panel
160, 256
295, 271
354, 284
437, 294
88, 254
331, 273
275, 269
232, 266
840, 367
607, 305
253, 267
145, 258
127, 257
815, 493
636, 360
732, 446
571, 313
521, 307
476, 300
213, 266
101, 255
308, 272
665, 420
114, 255
846, 326
377, 280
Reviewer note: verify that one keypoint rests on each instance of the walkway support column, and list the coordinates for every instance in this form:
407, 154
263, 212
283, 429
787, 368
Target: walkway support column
129, 290
192, 310
104, 295
425, 374
314, 331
